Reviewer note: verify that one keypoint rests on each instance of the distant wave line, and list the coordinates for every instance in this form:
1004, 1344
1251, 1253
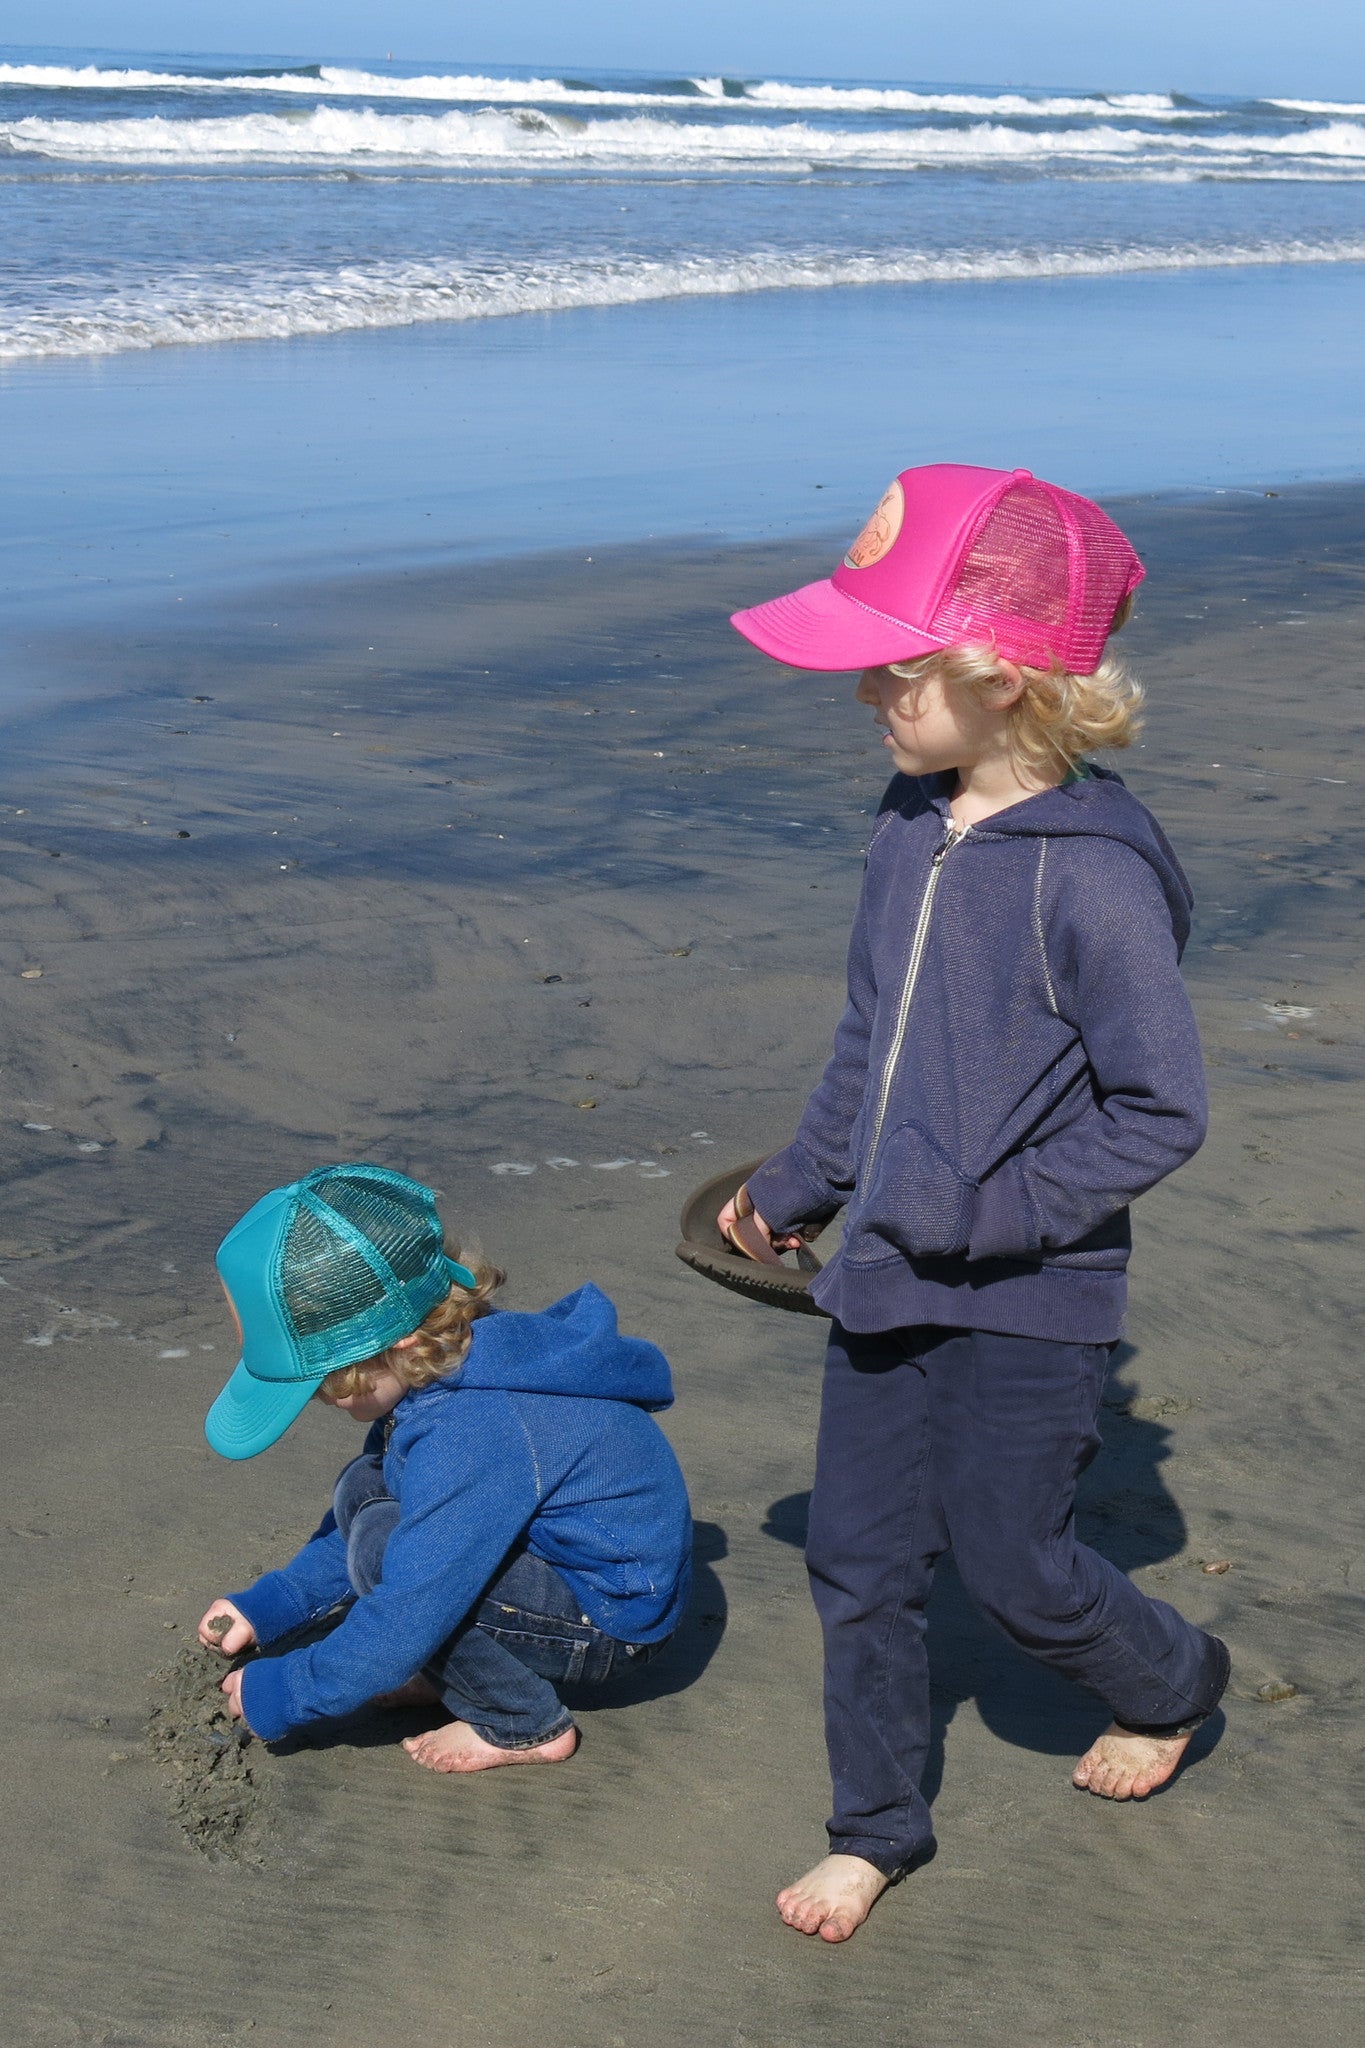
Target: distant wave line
322, 80
524, 135
1319, 106
179, 312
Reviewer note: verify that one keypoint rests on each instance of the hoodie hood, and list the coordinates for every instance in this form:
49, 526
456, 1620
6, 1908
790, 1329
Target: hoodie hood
572, 1347
1096, 805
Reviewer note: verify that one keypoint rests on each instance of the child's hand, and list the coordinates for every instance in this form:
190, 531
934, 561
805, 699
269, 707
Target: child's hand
238, 1634
740, 1207
231, 1689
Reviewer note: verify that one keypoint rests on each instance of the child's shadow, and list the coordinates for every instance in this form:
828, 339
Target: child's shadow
679, 1664
1126, 1514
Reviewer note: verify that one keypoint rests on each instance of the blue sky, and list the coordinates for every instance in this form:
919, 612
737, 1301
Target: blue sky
1310, 48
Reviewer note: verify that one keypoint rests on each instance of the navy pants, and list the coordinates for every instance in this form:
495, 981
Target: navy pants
500, 1668
937, 1439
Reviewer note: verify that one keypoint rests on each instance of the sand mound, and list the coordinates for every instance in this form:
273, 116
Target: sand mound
209, 1762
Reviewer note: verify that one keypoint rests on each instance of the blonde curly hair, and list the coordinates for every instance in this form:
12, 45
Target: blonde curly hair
1059, 717
440, 1340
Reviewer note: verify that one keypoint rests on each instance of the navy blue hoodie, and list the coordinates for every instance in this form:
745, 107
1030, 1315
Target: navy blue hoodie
1018, 1060
543, 1435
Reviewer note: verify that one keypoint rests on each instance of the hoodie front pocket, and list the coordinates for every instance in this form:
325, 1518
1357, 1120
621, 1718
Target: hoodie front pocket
915, 1200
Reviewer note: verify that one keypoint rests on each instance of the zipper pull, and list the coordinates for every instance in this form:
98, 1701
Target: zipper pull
956, 834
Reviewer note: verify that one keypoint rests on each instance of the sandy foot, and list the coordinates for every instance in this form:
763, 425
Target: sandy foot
834, 1899
456, 1747
1120, 1765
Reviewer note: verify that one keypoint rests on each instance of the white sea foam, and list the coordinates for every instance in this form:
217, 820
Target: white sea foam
997, 105
333, 80
312, 82
1319, 106
188, 309
526, 135
83, 77
336, 81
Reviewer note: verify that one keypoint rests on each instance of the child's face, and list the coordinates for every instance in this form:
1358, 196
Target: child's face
929, 726
387, 1391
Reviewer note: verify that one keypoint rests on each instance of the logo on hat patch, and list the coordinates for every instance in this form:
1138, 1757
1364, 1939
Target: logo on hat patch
882, 529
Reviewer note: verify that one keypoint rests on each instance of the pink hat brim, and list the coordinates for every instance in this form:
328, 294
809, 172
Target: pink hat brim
819, 627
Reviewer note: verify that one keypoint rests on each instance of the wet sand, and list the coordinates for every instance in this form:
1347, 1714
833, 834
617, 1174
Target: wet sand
415, 869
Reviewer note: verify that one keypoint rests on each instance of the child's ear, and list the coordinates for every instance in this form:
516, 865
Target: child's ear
1010, 685
404, 1343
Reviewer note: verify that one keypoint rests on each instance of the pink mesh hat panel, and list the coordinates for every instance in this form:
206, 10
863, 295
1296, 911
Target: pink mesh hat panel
953, 555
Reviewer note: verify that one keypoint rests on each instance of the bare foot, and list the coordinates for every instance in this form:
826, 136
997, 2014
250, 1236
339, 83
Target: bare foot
456, 1747
1121, 1765
834, 1899
415, 1692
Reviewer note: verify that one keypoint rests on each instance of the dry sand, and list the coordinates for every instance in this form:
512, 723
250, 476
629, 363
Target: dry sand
459, 861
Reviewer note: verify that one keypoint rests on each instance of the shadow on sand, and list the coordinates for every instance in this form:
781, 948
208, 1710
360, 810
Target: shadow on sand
1125, 1512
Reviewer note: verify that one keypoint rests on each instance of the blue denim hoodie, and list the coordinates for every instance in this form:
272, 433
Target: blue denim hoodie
543, 1436
1018, 1060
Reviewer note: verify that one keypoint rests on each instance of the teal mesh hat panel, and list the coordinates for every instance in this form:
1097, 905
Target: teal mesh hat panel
398, 1216
361, 1264
326, 1272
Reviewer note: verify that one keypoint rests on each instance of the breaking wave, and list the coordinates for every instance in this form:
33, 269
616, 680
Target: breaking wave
525, 135
180, 310
340, 81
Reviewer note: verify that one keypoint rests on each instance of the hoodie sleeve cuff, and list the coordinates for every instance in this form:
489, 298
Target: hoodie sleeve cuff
1003, 1226
785, 1195
265, 1698
271, 1606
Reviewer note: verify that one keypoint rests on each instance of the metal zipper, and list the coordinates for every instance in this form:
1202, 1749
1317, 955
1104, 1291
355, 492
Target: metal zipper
956, 835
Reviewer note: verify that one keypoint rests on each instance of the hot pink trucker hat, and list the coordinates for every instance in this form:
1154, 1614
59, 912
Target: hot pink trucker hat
956, 555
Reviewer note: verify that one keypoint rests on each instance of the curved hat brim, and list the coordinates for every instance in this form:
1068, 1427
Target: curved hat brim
706, 1252
251, 1414
819, 627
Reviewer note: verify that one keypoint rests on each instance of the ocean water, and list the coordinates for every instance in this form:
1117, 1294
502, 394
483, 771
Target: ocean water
259, 316
152, 201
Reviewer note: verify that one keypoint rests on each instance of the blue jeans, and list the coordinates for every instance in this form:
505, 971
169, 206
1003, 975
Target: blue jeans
528, 1633
934, 1439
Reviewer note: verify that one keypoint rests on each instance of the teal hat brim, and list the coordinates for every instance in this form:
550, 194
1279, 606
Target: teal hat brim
251, 1414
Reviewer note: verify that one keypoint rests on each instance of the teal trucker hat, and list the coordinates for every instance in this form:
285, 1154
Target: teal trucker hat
323, 1273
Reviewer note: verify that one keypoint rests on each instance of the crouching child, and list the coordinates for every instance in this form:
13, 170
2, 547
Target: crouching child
516, 1520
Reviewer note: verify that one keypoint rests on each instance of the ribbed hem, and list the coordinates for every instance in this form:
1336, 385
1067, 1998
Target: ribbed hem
265, 1698
1068, 1305
628, 1618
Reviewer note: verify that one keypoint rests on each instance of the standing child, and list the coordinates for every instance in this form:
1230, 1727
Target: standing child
516, 1520
1016, 1063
